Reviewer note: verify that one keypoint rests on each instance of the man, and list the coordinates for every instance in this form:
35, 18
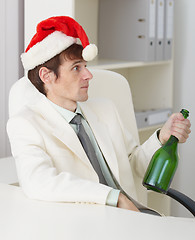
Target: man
66, 148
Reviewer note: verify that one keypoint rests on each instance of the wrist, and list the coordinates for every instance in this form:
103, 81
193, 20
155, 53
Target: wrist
120, 199
159, 136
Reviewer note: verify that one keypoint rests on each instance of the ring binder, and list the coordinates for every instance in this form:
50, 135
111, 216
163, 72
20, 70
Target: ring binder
136, 30
169, 17
127, 29
159, 30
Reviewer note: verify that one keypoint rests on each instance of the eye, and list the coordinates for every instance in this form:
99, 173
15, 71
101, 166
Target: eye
76, 68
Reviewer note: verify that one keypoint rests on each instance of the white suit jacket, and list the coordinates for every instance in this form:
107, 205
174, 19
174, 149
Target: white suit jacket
51, 163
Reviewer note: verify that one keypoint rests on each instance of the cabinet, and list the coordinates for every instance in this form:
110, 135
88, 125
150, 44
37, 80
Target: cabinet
151, 83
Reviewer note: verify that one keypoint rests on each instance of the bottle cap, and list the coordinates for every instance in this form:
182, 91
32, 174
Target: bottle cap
185, 113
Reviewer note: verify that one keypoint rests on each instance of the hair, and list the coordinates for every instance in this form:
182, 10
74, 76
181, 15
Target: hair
71, 53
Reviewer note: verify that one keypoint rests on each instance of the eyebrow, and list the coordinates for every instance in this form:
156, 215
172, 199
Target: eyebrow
76, 62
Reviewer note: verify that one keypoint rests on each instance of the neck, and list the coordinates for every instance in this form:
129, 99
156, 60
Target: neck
69, 105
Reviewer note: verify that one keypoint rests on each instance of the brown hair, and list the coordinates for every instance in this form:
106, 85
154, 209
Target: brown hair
71, 53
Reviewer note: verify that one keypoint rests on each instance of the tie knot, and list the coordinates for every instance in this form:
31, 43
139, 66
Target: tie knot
76, 120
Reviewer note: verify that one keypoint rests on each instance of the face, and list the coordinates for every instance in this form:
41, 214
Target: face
71, 85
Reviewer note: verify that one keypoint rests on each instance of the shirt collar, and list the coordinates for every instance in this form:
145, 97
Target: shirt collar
66, 114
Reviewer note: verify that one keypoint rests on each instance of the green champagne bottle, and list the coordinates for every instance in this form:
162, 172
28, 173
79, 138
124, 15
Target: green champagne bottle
163, 165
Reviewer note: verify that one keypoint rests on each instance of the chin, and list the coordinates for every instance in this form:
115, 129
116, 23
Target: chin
83, 99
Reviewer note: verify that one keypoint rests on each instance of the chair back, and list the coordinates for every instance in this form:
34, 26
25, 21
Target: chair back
114, 86
106, 84
21, 93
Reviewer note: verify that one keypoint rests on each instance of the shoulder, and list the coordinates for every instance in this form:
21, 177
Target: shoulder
21, 122
101, 107
25, 120
25, 114
98, 104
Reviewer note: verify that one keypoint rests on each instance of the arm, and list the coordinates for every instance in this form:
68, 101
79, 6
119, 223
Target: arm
177, 126
125, 203
37, 174
140, 155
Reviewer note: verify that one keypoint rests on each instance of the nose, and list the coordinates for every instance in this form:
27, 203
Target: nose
87, 74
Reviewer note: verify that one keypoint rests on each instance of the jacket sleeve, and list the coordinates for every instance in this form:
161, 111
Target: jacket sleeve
139, 155
37, 175
142, 154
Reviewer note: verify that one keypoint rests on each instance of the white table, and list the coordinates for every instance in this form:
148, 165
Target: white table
25, 219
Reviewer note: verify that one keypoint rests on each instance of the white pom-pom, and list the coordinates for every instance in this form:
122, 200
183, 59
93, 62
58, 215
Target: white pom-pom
90, 52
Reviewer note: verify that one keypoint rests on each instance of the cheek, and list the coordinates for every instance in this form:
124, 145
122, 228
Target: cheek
67, 86
61, 85
69, 90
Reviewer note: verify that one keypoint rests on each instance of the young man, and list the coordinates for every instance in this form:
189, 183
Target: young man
55, 159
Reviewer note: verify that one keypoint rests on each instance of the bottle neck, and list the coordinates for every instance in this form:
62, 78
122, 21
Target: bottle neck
172, 142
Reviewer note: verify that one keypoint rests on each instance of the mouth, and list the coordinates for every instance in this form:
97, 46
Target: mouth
85, 86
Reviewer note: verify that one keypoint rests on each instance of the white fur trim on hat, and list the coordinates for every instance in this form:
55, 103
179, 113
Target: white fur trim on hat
90, 52
43, 51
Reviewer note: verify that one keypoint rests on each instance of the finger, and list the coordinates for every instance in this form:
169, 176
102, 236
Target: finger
177, 116
181, 134
182, 121
181, 126
181, 138
180, 116
187, 122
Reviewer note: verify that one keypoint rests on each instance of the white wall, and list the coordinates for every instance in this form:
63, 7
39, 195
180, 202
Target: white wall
11, 45
38, 10
184, 95
2, 77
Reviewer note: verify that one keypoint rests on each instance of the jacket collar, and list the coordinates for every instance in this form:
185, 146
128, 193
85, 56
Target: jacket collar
64, 132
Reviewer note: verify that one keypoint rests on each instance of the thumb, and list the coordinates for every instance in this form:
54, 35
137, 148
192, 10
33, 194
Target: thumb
179, 116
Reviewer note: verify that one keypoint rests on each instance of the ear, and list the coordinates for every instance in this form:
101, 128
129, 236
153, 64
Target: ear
46, 75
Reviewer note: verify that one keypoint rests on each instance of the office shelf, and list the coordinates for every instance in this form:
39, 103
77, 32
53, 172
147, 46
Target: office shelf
116, 64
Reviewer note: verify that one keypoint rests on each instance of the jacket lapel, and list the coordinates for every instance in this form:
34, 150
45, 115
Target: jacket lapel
60, 128
103, 139
64, 132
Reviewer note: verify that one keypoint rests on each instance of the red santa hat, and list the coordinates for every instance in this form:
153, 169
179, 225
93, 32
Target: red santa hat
54, 35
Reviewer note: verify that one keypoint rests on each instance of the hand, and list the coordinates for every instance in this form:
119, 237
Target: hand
177, 126
124, 202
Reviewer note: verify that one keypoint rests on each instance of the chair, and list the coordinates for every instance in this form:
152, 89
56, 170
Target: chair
114, 86
8, 172
103, 80
106, 84
120, 94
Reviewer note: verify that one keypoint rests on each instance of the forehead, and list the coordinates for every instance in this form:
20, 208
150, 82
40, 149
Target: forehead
69, 62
